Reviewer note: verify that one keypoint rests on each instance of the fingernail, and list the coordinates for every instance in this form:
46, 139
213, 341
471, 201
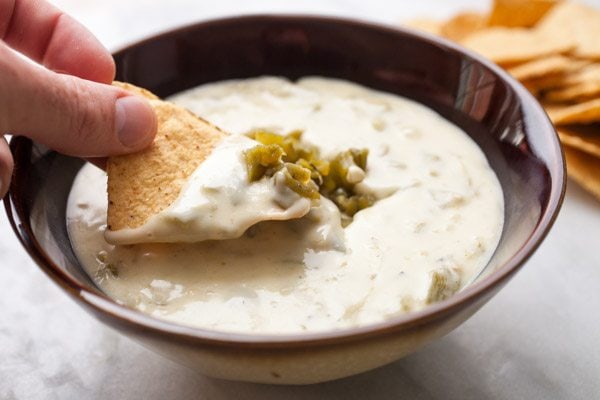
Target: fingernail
135, 121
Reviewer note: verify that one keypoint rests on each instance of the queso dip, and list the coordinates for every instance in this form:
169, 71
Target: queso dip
436, 222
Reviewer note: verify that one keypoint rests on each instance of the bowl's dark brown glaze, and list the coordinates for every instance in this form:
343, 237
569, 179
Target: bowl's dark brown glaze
498, 113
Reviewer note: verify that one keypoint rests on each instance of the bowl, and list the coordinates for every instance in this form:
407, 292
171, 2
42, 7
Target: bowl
497, 112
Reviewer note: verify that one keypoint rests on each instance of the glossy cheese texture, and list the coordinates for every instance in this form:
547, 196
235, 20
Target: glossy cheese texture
436, 223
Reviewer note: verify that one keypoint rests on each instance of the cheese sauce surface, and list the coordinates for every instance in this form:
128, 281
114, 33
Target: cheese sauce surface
436, 223
218, 202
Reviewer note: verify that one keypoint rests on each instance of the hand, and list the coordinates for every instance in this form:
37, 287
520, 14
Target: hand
66, 102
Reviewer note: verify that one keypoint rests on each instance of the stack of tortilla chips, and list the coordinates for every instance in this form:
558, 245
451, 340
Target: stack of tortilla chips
553, 48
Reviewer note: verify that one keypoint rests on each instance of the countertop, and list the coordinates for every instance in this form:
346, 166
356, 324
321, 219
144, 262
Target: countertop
537, 339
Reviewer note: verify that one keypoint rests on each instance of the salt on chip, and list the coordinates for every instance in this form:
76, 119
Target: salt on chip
581, 113
462, 25
584, 169
582, 138
577, 22
512, 45
143, 184
519, 13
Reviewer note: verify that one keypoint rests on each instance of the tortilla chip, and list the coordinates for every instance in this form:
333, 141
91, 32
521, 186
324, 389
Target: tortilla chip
584, 169
538, 83
549, 81
519, 13
142, 184
462, 25
542, 67
511, 45
428, 25
582, 138
590, 73
578, 93
577, 22
572, 114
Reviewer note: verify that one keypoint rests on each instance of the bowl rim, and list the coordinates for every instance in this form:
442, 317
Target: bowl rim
146, 324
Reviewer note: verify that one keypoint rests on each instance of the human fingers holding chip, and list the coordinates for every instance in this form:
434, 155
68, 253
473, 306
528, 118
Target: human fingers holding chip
66, 104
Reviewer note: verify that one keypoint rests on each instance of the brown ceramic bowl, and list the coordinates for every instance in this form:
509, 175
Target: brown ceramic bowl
506, 122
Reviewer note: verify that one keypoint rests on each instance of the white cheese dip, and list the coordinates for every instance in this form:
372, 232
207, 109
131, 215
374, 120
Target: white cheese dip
218, 202
438, 220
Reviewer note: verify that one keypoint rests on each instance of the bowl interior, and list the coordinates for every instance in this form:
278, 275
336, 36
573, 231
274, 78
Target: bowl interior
497, 113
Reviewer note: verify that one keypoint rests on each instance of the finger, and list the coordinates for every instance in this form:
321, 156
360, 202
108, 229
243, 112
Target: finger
71, 115
52, 38
6, 166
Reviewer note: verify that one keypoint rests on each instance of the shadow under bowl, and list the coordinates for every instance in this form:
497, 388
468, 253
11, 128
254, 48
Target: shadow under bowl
498, 113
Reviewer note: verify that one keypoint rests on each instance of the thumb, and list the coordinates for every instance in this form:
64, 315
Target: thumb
69, 114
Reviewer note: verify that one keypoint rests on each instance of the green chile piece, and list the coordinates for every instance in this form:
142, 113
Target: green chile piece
260, 159
306, 173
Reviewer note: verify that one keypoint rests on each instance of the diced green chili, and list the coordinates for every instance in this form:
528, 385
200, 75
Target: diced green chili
306, 173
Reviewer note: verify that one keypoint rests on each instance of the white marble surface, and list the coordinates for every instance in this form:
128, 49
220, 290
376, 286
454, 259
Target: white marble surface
538, 339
